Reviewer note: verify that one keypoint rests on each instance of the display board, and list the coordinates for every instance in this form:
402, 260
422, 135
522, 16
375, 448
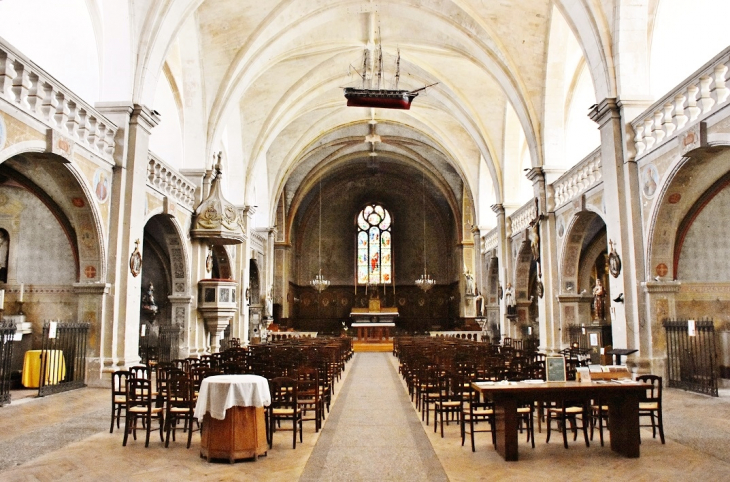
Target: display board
555, 369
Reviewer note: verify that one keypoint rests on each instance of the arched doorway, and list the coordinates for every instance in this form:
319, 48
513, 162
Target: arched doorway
255, 314
47, 206
165, 277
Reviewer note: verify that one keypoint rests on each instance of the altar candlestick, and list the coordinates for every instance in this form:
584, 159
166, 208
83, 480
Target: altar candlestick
22, 292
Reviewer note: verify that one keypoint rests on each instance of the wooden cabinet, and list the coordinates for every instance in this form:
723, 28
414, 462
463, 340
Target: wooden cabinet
242, 435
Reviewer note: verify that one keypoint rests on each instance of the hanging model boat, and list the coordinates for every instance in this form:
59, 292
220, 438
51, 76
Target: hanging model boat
377, 97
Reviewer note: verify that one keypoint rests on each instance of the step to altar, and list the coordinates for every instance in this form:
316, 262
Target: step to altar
372, 346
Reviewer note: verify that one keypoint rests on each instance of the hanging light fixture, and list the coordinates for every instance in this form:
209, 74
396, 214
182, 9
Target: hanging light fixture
425, 282
319, 283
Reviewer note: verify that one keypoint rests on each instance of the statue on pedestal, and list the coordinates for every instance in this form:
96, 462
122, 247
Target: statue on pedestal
599, 292
469, 282
509, 300
479, 304
269, 304
148, 301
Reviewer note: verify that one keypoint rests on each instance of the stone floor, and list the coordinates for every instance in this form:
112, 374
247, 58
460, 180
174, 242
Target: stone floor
372, 433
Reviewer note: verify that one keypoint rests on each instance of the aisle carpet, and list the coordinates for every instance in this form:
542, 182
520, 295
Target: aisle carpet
373, 433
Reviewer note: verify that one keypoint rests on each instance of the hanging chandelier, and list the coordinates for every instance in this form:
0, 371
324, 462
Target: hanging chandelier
425, 282
319, 282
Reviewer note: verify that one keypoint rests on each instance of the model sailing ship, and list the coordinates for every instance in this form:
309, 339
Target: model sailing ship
377, 97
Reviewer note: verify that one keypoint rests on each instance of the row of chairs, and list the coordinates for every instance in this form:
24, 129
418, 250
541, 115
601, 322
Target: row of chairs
310, 366
439, 372
140, 400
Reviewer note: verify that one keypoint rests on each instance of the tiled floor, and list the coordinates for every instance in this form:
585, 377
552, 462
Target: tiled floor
66, 437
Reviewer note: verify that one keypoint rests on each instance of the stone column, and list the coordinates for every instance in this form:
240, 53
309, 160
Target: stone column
277, 292
660, 305
92, 307
505, 264
181, 306
549, 315
120, 344
623, 223
245, 269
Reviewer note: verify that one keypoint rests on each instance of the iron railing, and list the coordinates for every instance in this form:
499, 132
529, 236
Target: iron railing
162, 346
168, 343
63, 357
692, 356
7, 332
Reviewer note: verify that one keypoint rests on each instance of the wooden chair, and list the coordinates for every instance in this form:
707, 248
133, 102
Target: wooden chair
180, 406
526, 416
140, 371
428, 389
284, 407
119, 395
450, 400
474, 411
140, 405
565, 412
651, 405
309, 396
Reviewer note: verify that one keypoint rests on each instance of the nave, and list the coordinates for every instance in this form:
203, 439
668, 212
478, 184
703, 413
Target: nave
373, 432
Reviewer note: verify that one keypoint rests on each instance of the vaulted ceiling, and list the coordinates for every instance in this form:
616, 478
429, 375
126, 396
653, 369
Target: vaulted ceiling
279, 68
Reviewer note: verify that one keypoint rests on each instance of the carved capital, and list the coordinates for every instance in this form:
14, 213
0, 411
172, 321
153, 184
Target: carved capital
144, 117
604, 111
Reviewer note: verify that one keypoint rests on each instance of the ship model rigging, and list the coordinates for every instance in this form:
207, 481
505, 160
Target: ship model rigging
377, 96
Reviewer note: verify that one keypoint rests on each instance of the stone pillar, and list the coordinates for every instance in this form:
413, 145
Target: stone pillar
245, 270
92, 307
120, 344
623, 222
181, 306
660, 305
505, 265
468, 257
549, 315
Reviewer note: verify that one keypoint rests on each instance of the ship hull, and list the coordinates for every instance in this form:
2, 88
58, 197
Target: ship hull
385, 99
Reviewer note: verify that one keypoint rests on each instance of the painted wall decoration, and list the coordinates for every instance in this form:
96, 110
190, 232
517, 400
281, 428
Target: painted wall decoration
649, 180
102, 185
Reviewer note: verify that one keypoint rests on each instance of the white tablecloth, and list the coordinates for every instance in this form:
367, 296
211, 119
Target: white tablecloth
221, 392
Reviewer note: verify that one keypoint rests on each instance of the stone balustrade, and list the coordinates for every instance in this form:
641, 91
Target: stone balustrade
587, 173
701, 94
522, 217
167, 181
31, 89
491, 240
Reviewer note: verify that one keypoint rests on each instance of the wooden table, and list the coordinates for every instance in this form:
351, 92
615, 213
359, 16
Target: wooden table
373, 332
622, 400
232, 410
55, 368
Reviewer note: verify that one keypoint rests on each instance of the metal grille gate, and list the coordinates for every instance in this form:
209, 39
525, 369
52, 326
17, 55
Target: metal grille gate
7, 332
691, 357
168, 344
63, 357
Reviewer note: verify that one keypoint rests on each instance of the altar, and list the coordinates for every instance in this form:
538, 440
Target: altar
373, 325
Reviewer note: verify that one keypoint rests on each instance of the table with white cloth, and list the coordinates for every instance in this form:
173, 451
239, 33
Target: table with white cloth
231, 408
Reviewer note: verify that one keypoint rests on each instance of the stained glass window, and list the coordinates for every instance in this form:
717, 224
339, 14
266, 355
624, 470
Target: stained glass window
374, 255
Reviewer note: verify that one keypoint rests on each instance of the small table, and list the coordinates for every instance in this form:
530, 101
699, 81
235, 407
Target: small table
55, 367
232, 410
622, 400
619, 352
